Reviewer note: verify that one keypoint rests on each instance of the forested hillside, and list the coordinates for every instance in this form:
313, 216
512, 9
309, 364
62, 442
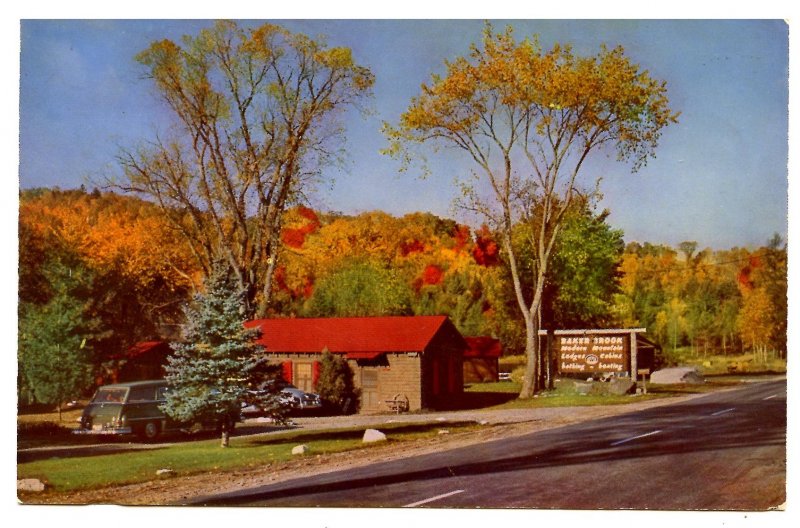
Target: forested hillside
125, 275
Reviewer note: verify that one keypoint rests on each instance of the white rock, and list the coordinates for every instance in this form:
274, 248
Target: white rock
483, 422
30, 484
300, 450
164, 471
676, 375
444, 432
373, 435
441, 419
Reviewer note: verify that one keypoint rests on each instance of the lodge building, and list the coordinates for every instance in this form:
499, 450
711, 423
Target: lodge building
416, 361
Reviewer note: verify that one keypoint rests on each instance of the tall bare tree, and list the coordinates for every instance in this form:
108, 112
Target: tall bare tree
255, 121
529, 120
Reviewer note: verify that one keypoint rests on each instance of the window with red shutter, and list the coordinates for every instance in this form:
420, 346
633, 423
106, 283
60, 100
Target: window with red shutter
287, 371
315, 369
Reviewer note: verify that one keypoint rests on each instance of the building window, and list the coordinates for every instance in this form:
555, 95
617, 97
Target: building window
304, 376
369, 379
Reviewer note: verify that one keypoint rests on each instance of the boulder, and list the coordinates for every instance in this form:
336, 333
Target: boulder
30, 484
676, 375
300, 450
621, 386
373, 435
164, 472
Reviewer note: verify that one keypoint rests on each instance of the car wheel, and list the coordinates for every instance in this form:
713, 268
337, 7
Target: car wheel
150, 431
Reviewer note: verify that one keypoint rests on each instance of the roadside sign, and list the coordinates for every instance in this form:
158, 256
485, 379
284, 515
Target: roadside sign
579, 353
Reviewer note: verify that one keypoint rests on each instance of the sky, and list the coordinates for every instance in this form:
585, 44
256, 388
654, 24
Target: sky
720, 176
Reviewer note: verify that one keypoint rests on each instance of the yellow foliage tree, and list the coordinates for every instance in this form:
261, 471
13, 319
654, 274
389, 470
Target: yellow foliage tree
529, 119
256, 115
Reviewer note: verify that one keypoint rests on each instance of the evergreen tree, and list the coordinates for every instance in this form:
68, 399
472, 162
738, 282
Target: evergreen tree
335, 384
210, 374
55, 355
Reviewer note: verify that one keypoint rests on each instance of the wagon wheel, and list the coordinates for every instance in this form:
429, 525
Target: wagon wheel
401, 402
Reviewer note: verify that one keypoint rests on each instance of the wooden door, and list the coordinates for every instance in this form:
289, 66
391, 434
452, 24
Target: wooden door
369, 389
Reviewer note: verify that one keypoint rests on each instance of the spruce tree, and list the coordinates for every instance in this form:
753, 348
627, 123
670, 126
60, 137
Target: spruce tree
211, 372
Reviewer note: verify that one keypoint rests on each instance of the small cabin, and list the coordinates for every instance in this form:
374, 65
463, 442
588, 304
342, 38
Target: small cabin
415, 360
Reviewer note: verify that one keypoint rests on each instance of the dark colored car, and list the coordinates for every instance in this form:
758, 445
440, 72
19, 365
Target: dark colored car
289, 396
134, 408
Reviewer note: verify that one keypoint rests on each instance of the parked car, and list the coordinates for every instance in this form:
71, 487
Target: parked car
289, 396
299, 399
134, 408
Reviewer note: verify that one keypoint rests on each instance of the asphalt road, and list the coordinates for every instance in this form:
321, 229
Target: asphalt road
724, 451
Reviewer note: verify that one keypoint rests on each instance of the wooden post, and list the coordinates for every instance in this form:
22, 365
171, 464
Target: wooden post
550, 370
634, 362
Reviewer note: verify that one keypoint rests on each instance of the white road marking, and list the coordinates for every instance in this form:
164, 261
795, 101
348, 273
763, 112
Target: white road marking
724, 411
438, 497
651, 433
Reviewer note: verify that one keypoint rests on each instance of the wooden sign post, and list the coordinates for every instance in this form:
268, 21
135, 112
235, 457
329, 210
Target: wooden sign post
597, 351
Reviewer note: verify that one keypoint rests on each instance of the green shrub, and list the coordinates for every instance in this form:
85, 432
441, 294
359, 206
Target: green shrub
518, 374
30, 429
335, 384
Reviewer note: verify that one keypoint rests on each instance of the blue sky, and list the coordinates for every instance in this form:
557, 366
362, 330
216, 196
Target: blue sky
720, 177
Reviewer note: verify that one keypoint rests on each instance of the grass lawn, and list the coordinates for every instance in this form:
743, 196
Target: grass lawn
139, 465
503, 395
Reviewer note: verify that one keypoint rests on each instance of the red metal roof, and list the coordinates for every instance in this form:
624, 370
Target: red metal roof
356, 336
485, 347
143, 348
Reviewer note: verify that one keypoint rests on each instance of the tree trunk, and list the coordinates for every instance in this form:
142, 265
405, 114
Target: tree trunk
226, 432
549, 356
529, 382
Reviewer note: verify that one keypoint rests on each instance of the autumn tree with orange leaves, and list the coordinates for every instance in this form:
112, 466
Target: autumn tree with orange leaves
529, 119
256, 119
141, 269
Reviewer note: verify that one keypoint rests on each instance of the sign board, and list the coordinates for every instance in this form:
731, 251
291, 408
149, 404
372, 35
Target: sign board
593, 352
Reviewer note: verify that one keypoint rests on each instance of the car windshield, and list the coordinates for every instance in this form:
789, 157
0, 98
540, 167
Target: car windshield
110, 395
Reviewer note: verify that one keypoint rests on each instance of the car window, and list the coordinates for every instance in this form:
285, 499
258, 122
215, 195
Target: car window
142, 394
110, 395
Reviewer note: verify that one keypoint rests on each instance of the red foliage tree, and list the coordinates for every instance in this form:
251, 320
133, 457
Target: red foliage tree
411, 246
432, 275
486, 251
